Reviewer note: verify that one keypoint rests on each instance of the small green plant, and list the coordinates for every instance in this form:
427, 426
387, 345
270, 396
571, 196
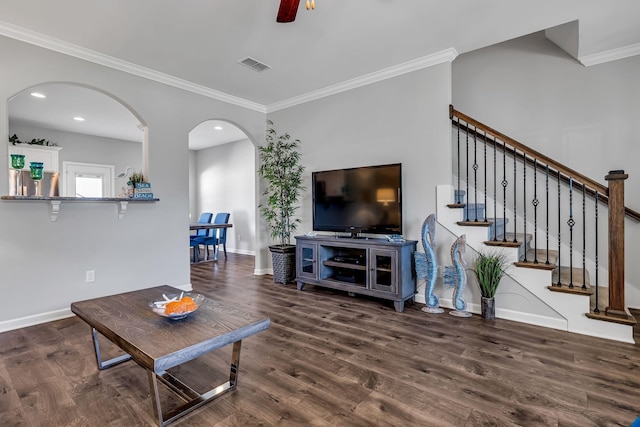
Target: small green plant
137, 177
489, 267
280, 167
13, 139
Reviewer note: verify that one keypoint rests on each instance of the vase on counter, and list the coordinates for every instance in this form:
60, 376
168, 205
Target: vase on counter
17, 163
36, 175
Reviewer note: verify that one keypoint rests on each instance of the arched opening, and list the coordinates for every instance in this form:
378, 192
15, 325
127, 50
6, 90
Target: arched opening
222, 178
88, 140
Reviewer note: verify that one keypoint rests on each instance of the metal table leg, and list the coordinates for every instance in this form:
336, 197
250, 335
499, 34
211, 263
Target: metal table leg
192, 398
107, 363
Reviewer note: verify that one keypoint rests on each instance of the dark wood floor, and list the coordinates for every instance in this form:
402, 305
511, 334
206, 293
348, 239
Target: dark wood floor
333, 360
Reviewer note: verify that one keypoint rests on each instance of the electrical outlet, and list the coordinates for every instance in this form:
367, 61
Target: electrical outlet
91, 276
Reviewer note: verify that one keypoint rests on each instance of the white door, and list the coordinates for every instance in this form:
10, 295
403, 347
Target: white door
87, 180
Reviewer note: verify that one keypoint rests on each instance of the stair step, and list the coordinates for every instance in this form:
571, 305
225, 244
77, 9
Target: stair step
507, 241
628, 320
603, 302
562, 284
541, 256
473, 211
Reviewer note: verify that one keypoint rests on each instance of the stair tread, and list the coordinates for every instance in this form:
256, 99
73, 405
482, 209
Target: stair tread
541, 255
510, 240
566, 277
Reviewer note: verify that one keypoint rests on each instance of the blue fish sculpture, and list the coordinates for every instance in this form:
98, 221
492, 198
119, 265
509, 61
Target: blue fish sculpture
457, 257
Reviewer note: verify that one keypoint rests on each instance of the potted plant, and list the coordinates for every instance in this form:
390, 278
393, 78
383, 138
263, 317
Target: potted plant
489, 267
135, 178
280, 167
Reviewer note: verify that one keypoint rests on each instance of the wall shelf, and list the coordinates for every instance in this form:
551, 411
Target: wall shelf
55, 202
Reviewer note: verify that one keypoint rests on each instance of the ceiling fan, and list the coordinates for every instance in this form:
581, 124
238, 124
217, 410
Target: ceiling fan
289, 8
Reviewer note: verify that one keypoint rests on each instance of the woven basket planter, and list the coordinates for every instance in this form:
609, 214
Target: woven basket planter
284, 263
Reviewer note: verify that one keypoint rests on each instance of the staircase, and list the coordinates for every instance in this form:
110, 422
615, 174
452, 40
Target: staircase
538, 278
541, 215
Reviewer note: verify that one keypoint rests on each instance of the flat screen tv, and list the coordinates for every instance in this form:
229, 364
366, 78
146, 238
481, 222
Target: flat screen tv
358, 200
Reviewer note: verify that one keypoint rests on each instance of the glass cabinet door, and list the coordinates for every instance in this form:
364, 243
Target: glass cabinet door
307, 255
383, 270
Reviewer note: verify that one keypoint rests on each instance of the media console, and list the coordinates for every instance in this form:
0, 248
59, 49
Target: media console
374, 267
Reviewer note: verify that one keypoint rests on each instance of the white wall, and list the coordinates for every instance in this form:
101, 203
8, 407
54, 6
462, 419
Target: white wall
46, 260
226, 182
400, 120
584, 117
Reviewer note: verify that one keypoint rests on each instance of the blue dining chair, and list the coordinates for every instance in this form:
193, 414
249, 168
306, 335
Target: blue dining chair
205, 218
217, 237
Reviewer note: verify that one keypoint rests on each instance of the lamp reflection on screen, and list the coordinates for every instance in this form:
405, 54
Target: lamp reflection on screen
385, 195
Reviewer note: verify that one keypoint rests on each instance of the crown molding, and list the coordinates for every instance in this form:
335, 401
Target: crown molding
610, 55
37, 39
447, 55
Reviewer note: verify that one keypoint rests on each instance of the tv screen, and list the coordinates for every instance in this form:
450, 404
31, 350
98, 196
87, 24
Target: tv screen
358, 200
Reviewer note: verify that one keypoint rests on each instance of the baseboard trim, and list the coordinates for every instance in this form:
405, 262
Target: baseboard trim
50, 316
501, 313
241, 252
35, 319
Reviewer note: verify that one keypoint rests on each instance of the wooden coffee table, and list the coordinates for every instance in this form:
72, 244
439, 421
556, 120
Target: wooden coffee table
157, 343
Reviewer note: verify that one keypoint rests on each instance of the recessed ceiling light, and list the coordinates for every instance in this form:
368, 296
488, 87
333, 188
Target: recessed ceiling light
217, 127
78, 119
38, 95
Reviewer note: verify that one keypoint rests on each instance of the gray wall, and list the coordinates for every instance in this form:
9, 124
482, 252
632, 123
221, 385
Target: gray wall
47, 260
400, 120
226, 182
583, 117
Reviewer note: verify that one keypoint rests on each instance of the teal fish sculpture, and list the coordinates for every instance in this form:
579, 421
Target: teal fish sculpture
457, 257
431, 264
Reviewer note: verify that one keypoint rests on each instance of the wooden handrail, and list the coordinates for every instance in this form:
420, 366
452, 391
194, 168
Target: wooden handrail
590, 185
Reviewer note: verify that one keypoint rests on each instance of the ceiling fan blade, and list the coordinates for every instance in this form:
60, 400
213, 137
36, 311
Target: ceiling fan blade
287, 11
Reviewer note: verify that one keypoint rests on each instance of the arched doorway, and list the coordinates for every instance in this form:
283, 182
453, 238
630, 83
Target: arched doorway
222, 178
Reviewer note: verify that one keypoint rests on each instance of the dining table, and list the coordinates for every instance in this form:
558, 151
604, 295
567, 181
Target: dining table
209, 226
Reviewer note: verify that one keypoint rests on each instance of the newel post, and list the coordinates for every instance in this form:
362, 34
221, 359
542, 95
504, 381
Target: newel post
616, 243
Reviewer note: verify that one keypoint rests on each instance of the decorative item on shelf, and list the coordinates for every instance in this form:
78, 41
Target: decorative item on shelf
280, 167
17, 163
489, 268
13, 139
135, 178
457, 257
142, 190
36, 175
427, 264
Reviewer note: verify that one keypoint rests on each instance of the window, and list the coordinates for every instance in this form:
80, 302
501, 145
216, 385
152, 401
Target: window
87, 180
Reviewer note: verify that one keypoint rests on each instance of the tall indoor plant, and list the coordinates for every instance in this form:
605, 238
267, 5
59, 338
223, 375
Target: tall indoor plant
281, 169
489, 268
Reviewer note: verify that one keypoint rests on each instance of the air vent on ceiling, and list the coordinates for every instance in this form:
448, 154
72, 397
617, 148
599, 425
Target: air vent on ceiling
254, 64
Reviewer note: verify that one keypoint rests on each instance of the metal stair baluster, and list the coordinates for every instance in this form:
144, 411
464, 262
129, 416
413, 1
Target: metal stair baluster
475, 174
524, 198
495, 201
584, 239
457, 198
559, 229
547, 203
534, 202
466, 209
596, 309
485, 177
515, 197
571, 223
504, 191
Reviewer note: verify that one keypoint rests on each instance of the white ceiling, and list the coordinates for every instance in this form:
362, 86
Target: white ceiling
199, 42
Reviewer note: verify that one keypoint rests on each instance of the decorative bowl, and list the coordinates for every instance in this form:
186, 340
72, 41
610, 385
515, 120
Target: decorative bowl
176, 306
